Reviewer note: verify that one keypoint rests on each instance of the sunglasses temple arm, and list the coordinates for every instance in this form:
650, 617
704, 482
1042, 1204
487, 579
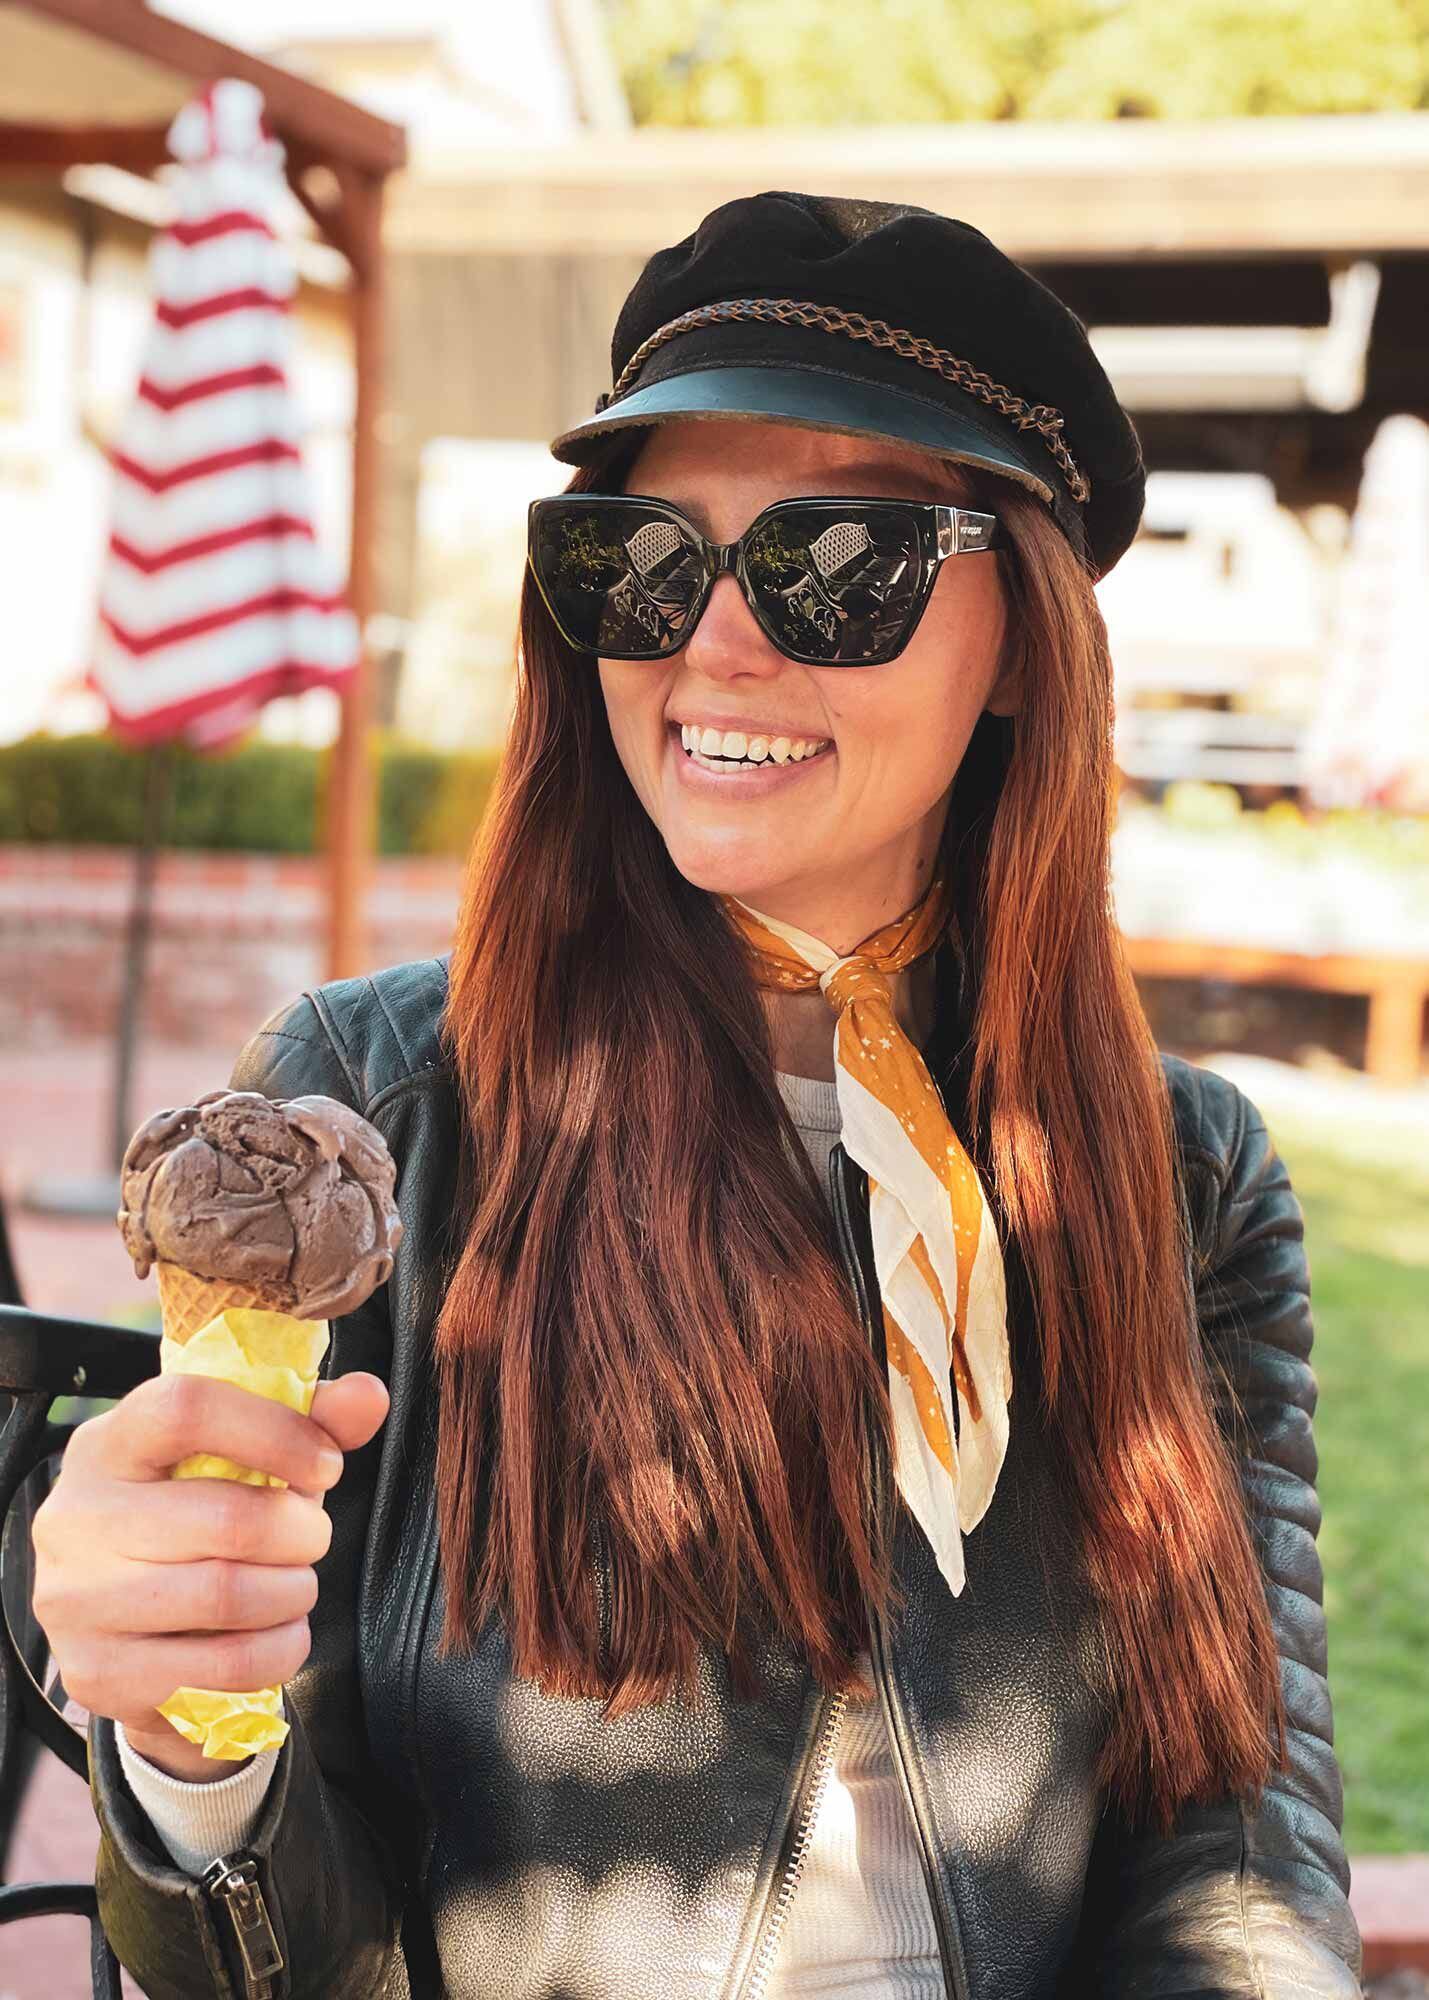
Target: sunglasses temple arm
961, 531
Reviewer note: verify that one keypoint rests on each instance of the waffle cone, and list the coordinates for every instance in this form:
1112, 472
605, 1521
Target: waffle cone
187, 1303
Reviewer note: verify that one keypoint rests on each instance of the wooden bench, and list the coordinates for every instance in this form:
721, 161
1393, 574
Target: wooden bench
1396, 988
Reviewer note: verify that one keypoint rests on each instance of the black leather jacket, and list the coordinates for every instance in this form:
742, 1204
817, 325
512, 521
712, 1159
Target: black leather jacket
436, 1826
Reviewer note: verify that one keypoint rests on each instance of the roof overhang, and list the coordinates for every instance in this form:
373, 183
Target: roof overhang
87, 81
1047, 193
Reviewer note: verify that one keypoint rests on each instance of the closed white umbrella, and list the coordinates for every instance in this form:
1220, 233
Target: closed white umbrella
1369, 744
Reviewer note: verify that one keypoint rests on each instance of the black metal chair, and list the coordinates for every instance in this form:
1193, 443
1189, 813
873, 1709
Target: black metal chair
44, 1357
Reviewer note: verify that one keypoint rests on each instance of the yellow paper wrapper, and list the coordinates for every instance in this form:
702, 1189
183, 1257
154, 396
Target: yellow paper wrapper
274, 1355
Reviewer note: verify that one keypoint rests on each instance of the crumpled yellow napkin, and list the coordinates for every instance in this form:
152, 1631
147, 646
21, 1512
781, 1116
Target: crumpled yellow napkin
270, 1354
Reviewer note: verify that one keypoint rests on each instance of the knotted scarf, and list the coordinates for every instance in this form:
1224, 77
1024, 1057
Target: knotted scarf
935, 1244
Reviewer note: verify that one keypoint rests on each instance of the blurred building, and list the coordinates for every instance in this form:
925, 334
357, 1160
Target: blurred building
1256, 288
1218, 617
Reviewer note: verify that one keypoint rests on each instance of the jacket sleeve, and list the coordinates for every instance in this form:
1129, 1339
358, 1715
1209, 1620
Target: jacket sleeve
330, 1882
197, 1821
1238, 1904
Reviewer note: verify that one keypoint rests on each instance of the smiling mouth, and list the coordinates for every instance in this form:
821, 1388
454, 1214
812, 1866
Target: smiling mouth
755, 764
768, 762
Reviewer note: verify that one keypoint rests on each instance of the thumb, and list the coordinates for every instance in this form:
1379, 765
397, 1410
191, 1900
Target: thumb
351, 1410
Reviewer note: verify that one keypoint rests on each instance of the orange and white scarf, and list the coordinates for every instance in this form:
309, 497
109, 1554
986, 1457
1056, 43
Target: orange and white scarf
935, 1244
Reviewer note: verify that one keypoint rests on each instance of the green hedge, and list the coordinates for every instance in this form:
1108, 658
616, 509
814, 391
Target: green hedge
259, 797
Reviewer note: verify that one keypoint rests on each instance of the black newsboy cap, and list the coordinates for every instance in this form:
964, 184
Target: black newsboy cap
886, 320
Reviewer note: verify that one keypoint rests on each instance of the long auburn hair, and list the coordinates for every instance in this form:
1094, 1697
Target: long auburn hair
647, 1341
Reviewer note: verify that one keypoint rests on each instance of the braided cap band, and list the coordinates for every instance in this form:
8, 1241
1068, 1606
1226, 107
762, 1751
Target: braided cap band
1041, 417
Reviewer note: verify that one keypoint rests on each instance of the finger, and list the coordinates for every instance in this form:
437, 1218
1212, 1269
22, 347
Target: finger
212, 1596
130, 1682
352, 1409
173, 1416
187, 1520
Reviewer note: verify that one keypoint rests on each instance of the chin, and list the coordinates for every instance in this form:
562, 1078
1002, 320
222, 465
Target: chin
746, 875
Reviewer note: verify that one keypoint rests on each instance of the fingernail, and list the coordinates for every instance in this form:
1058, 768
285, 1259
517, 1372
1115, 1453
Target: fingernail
330, 1466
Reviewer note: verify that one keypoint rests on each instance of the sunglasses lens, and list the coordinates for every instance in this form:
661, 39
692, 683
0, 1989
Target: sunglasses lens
618, 579
837, 586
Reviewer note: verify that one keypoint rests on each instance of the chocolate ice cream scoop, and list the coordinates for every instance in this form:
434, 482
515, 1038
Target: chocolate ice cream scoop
291, 1199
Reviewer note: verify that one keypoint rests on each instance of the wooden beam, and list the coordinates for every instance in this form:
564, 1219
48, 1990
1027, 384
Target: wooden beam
1395, 1036
1124, 188
337, 128
330, 218
52, 149
351, 801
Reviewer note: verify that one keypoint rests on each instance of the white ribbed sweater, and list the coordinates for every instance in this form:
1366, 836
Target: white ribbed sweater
859, 1923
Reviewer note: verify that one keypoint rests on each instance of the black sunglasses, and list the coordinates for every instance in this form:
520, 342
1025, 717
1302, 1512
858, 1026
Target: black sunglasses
833, 583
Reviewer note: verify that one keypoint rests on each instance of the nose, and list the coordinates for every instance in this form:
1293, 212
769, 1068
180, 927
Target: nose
729, 640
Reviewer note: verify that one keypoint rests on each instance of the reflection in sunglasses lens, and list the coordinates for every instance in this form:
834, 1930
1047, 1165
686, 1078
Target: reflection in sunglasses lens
621, 580
835, 589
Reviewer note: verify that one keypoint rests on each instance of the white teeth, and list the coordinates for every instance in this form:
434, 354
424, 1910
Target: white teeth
734, 744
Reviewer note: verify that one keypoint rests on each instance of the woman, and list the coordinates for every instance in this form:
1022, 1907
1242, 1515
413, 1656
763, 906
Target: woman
845, 1520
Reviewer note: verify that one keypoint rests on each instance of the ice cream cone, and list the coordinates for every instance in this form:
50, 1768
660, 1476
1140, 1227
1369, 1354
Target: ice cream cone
188, 1303
215, 1328
296, 1197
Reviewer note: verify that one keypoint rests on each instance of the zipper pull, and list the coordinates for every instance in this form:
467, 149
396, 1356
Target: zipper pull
234, 1884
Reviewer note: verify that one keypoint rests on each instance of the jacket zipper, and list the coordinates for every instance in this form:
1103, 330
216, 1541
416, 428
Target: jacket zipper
233, 1884
949, 1954
815, 1780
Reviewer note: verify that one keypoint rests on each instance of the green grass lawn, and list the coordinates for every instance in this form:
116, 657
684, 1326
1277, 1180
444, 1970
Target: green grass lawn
1367, 1230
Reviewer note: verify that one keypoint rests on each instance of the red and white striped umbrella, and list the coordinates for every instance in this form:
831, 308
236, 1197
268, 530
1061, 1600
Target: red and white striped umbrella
216, 595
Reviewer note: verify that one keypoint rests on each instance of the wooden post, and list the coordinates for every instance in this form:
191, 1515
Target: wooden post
1396, 1029
350, 791
158, 784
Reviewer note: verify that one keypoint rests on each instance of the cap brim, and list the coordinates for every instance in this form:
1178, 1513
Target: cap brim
809, 397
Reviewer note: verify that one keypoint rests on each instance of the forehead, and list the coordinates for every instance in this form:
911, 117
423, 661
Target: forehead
697, 459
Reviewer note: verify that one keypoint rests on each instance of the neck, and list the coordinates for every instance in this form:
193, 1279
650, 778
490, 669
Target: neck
801, 1025
843, 906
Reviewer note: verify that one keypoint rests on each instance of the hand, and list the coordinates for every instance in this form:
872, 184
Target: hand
144, 1583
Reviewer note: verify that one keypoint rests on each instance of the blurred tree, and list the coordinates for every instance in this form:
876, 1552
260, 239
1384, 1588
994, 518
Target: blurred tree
777, 62
1211, 59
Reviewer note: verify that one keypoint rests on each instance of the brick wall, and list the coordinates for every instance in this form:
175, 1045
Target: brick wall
233, 936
